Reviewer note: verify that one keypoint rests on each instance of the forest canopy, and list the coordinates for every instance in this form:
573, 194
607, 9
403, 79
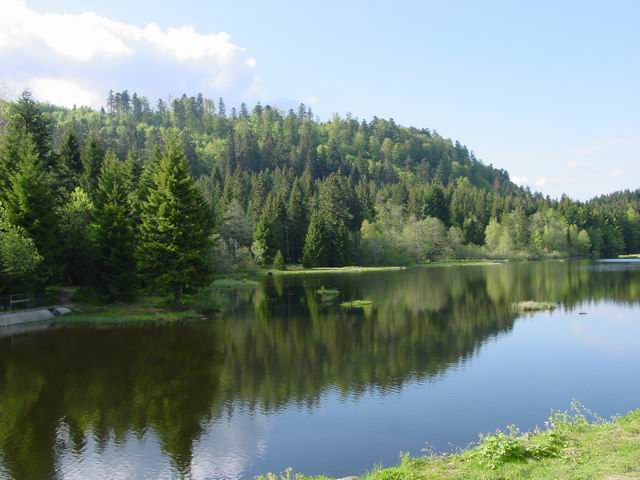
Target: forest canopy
158, 197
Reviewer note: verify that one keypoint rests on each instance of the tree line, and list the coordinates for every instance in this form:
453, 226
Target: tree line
158, 198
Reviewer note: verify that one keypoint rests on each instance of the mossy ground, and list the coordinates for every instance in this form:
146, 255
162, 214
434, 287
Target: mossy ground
571, 449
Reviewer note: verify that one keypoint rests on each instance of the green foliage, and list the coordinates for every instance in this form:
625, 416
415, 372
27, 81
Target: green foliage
175, 231
328, 295
278, 261
113, 234
325, 193
19, 257
29, 202
77, 251
499, 448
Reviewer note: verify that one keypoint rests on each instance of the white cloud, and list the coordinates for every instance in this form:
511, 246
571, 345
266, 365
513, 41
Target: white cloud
60, 55
63, 92
545, 181
520, 180
616, 172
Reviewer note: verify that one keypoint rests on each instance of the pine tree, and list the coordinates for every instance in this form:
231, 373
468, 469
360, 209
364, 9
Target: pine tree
30, 203
314, 253
278, 261
297, 223
92, 158
175, 231
69, 162
25, 114
270, 231
113, 234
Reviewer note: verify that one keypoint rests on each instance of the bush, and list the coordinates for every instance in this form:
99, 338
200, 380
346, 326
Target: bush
278, 261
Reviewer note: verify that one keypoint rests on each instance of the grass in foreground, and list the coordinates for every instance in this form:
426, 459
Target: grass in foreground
569, 448
532, 306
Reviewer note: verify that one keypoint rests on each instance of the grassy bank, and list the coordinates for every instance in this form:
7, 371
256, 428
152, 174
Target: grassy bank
570, 448
146, 310
299, 270
203, 304
633, 255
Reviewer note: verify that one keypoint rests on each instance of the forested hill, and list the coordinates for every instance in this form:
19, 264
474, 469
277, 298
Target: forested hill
275, 186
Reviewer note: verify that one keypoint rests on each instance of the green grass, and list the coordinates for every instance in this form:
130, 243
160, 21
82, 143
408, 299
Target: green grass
230, 283
356, 304
533, 306
142, 312
569, 448
299, 270
466, 263
633, 255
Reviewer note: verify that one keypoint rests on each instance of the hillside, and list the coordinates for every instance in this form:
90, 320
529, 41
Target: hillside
276, 184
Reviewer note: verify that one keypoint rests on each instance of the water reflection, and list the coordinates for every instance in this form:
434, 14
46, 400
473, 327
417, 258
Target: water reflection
235, 396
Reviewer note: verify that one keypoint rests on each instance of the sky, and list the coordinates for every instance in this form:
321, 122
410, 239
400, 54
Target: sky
546, 90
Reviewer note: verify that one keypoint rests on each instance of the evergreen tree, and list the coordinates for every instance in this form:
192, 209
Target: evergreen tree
271, 230
315, 247
30, 203
296, 223
25, 114
92, 158
113, 234
278, 261
69, 162
174, 231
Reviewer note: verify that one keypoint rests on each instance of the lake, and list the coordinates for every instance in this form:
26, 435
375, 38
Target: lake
284, 380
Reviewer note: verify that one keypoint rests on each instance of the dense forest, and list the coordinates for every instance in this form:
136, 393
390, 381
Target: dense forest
158, 198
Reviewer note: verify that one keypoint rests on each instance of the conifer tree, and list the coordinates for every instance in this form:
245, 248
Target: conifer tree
92, 158
30, 202
278, 261
25, 114
297, 223
113, 234
69, 162
270, 231
314, 253
174, 232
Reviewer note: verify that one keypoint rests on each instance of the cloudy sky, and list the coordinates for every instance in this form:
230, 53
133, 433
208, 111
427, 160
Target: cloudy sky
547, 90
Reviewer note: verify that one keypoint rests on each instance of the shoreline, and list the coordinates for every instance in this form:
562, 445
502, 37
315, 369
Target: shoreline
575, 446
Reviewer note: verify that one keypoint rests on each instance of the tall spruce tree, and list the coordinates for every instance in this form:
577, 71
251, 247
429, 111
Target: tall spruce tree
113, 234
69, 168
175, 232
25, 114
297, 223
30, 202
92, 158
315, 249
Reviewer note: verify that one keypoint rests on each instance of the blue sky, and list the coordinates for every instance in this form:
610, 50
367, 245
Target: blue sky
547, 90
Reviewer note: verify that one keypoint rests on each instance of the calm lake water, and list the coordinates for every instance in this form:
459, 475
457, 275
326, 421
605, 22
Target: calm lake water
286, 381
